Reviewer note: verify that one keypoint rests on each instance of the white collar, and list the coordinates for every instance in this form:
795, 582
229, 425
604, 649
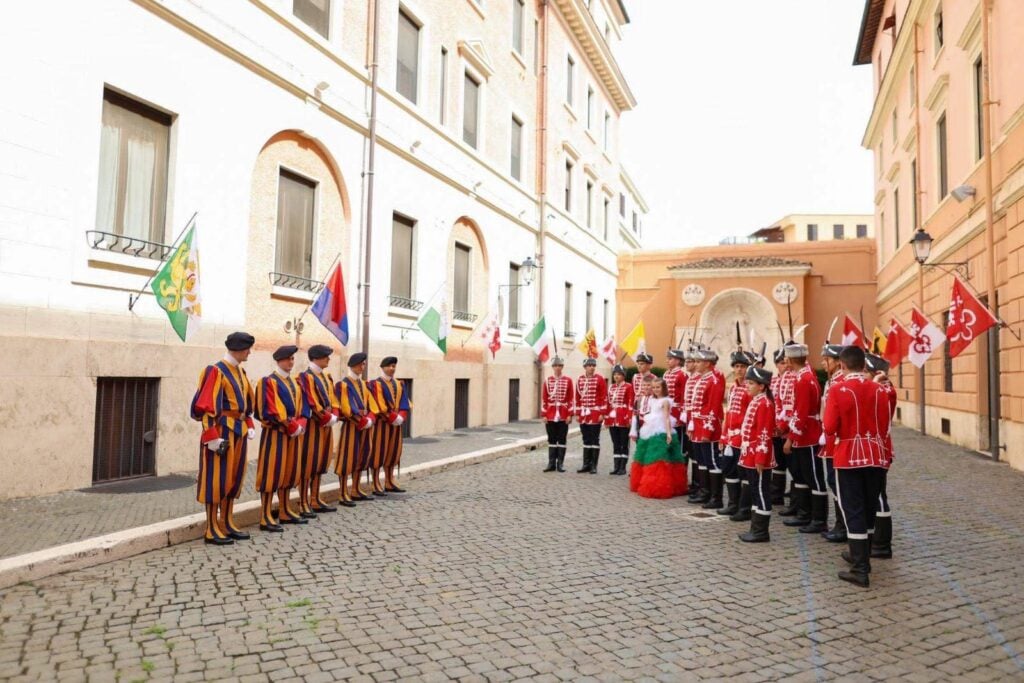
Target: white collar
316, 369
230, 360
352, 375
278, 371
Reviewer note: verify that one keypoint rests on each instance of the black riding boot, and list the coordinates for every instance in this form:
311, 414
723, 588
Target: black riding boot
552, 459
733, 489
560, 461
801, 505
819, 515
715, 495
860, 566
593, 460
881, 541
586, 462
743, 513
758, 529
778, 488
838, 533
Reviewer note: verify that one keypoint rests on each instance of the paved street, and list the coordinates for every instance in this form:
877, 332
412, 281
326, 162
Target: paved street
499, 572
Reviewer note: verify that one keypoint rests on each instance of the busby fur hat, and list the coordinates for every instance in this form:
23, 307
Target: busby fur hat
759, 375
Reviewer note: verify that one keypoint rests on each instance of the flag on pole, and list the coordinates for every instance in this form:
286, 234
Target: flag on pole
878, 342
968, 318
635, 342
609, 349
435, 325
176, 287
897, 343
490, 332
852, 334
588, 347
541, 341
330, 307
926, 337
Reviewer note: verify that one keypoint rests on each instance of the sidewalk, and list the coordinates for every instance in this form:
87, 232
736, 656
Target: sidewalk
30, 524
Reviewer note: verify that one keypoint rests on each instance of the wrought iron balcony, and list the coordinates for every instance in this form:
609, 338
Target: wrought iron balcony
463, 316
125, 244
569, 334
516, 326
407, 304
295, 282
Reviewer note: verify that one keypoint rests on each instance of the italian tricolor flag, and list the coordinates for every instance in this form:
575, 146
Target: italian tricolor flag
540, 340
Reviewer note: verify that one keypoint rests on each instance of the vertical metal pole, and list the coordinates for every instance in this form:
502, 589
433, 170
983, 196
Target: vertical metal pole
369, 180
542, 175
922, 427
990, 249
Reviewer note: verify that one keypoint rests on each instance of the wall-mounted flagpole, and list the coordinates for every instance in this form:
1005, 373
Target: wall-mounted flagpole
134, 298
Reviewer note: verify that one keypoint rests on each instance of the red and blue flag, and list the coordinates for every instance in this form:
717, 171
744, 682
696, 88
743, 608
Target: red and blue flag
329, 307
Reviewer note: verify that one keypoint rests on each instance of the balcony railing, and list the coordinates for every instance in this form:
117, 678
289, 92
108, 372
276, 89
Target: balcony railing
516, 326
463, 316
295, 282
124, 244
569, 334
403, 302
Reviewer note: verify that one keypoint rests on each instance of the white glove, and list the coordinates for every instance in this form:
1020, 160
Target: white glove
689, 425
821, 440
611, 413
334, 420
250, 433
214, 444
399, 421
300, 431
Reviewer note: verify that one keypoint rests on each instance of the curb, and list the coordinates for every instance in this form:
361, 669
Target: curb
129, 542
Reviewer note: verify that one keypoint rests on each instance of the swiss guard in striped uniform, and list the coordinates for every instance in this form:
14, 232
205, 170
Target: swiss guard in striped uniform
281, 408
392, 411
357, 410
315, 444
591, 405
224, 404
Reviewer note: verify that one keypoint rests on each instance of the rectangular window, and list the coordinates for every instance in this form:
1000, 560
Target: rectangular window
896, 216
518, 9
812, 232
947, 360
940, 38
513, 294
590, 108
604, 320
568, 310
622, 205
862, 231
134, 149
124, 441
536, 47
470, 111
296, 197
443, 87
913, 86
568, 186
408, 56
589, 313
607, 216
314, 13
590, 204
979, 110
517, 148
570, 77
401, 255
636, 222
913, 203
894, 125
607, 130
943, 158
460, 300
837, 231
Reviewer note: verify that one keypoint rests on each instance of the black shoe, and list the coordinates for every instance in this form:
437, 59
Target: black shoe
293, 520
836, 534
881, 540
361, 499
274, 528
394, 489
814, 527
239, 535
321, 509
586, 463
346, 503
758, 530
860, 566
819, 515
308, 514
218, 540
380, 494
593, 463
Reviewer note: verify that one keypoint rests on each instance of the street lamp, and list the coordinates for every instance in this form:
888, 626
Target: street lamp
922, 246
529, 268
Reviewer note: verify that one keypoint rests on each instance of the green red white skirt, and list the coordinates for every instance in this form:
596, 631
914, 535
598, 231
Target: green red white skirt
659, 468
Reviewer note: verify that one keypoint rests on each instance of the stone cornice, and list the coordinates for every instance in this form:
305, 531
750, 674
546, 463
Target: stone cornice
579, 21
733, 273
473, 51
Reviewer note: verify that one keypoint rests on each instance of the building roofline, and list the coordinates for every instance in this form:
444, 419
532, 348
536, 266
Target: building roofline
631, 186
622, 8
868, 31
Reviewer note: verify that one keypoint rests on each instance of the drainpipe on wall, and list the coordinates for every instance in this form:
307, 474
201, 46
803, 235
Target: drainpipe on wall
994, 392
368, 240
542, 175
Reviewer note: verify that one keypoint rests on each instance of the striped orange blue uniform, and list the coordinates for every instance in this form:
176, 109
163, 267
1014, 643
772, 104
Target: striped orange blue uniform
315, 443
223, 403
282, 409
357, 407
392, 403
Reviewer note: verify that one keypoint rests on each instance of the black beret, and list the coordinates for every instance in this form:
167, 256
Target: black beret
286, 351
740, 357
876, 363
759, 375
356, 359
318, 351
389, 360
239, 341
589, 362
831, 351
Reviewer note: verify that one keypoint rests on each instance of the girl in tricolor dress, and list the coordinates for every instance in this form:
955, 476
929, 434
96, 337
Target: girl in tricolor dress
659, 466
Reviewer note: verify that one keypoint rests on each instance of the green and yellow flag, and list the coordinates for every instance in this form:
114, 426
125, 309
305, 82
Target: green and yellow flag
176, 287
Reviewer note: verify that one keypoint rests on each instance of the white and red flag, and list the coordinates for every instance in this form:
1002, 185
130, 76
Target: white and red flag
852, 334
925, 338
490, 332
897, 343
968, 318
609, 349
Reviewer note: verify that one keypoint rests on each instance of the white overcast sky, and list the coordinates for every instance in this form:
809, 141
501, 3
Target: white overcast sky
748, 110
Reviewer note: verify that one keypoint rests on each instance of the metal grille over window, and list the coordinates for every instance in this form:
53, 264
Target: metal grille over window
122, 244
295, 282
124, 443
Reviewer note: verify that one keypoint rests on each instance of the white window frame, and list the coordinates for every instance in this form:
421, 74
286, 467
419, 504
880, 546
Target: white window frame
523, 165
481, 111
519, 7
570, 80
417, 14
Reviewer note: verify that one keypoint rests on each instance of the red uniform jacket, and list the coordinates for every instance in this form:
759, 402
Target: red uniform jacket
828, 446
620, 405
558, 399
638, 381
591, 399
784, 401
890, 391
675, 379
739, 399
805, 420
691, 384
857, 421
706, 415
756, 433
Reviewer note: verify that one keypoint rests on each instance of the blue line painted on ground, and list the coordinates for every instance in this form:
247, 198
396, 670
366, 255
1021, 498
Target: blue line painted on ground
983, 617
812, 617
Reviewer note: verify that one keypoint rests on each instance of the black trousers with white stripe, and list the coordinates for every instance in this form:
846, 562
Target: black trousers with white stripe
760, 489
858, 492
591, 438
620, 441
811, 468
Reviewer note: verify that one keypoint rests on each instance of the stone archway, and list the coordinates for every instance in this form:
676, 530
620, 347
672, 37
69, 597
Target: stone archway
749, 308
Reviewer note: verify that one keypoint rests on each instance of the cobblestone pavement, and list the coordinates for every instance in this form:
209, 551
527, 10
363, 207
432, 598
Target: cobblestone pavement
499, 572
78, 515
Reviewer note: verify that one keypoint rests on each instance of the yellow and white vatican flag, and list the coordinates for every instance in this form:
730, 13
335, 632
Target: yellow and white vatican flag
636, 341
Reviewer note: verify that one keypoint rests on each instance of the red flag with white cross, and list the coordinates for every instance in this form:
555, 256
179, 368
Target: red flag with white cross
897, 343
968, 318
